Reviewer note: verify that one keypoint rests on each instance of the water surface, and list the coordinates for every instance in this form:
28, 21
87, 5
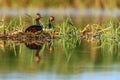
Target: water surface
81, 60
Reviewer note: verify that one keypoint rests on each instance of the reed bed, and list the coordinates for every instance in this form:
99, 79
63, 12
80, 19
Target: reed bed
15, 26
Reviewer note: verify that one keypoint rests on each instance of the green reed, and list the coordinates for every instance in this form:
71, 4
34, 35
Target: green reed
110, 39
67, 28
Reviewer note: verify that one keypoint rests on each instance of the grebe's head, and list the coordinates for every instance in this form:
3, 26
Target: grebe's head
38, 16
51, 18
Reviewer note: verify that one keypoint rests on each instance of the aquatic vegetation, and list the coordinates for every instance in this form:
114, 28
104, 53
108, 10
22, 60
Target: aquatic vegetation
14, 29
68, 29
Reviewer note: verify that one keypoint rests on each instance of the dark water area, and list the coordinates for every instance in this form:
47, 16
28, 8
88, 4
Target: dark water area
61, 59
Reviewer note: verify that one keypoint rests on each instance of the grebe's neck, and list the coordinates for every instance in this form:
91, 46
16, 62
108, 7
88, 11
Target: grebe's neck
49, 24
37, 22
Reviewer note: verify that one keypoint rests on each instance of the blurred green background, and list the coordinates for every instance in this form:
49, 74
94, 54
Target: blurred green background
82, 4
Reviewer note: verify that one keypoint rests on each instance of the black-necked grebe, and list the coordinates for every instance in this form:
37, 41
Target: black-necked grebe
37, 27
51, 19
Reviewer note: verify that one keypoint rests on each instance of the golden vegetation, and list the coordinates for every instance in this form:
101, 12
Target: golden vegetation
94, 4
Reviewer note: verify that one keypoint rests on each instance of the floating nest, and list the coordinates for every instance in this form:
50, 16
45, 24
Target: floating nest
23, 36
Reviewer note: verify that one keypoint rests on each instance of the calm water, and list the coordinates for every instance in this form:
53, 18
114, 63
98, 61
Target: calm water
69, 60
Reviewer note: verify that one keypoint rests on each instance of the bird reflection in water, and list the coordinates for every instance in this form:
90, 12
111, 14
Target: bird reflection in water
38, 47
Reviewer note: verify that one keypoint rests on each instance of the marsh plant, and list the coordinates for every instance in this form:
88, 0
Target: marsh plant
65, 29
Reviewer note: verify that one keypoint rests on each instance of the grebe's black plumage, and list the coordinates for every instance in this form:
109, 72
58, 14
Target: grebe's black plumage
36, 27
